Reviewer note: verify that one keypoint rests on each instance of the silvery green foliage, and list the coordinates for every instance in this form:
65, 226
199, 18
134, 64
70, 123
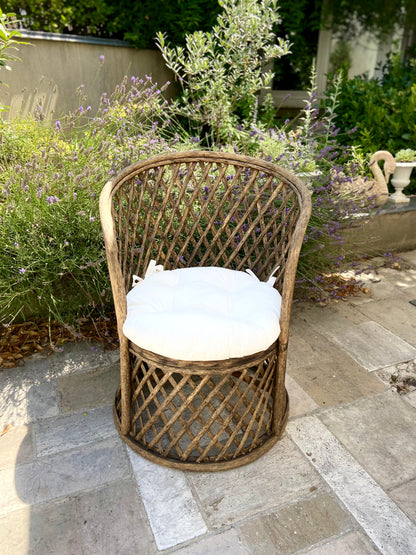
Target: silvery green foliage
222, 72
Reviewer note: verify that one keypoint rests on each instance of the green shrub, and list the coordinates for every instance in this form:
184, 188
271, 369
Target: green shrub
382, 112
136, 22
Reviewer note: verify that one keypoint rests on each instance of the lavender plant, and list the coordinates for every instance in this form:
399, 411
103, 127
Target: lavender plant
52, 261
310, 147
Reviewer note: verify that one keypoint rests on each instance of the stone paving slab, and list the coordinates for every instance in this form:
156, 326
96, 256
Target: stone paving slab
379, 289
405, 497
112, 521
307, 345
299, 401
17, 446
411, 398
35, 369
172, 510
43, 530
297, 526
397, 317
29, 393
225, 543
409, 257
350, 311
368, 343
69, 432
338, 381
380, 432
387, 526
401, 279
353, 543
79, 357
62, 474
22, 402
42, 401
89, 389
279, 477
388, 283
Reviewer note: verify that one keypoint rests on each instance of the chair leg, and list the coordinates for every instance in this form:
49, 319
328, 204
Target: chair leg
125, 387
281, 408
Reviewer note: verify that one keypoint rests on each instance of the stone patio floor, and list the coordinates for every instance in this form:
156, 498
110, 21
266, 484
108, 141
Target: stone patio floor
342, 480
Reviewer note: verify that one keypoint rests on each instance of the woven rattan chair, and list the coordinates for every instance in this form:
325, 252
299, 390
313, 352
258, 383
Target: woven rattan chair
199, 209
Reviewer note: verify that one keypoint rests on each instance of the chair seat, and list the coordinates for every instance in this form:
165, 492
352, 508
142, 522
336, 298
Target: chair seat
203, 314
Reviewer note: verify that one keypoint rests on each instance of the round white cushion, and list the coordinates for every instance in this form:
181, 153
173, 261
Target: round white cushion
205, 313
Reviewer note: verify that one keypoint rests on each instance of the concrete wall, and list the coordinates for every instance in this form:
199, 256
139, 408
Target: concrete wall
53, 66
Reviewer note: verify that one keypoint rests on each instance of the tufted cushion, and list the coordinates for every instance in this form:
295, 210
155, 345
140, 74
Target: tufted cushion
203, 314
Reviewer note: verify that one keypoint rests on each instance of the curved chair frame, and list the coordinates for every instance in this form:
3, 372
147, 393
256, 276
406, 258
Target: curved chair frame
210, 209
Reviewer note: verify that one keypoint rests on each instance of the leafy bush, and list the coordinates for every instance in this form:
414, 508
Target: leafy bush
136, 22
381, 111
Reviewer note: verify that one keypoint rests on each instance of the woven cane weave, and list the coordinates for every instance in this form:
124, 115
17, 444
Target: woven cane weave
203, 209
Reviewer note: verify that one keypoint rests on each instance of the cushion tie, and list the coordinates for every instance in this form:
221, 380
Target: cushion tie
153, 268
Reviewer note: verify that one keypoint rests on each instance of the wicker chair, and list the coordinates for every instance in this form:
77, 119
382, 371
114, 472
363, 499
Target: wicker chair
193, 209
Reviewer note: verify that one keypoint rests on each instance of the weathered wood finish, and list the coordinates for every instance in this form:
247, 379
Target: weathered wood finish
209, 209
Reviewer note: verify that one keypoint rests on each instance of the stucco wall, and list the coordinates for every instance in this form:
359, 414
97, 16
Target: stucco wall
53, 66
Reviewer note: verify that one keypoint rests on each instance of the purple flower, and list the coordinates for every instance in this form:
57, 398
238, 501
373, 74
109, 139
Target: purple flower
22, 270
52, 199
57, 125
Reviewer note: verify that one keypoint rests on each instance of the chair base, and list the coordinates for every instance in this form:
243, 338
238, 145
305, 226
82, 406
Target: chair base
201, 466
203, 416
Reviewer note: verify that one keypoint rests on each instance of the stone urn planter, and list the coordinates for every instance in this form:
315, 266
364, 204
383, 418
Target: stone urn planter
405, 162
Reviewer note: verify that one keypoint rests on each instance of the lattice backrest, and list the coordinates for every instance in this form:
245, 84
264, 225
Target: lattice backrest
204, 208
